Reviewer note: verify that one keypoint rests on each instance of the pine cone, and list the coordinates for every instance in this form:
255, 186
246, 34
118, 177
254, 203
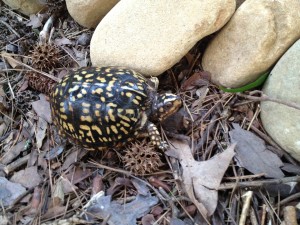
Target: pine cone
142, 158
44, 57
40, 83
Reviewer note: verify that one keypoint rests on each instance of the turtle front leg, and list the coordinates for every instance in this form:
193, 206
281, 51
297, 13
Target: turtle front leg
154, 136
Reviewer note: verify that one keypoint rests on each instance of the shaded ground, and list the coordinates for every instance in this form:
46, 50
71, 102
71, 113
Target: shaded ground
197, 179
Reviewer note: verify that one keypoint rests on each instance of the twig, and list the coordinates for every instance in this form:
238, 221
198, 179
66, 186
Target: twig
245, 211
258, 183
16, 164
8, 56
265, 97
10, 28
289, 199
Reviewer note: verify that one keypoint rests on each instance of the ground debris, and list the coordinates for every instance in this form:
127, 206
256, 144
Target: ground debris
115, 213
253, 155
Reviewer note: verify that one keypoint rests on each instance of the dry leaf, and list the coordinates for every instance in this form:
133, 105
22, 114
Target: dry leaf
201, 180
42, 108
34, 21
70, 159
252, 154
41, 129
8, 157
10, 191
28, 177
102, 206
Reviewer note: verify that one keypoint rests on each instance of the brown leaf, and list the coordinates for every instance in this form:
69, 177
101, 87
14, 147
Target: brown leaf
200, 180
74, 177
253, 155
28, 177
196, 80
42, 108
70, 159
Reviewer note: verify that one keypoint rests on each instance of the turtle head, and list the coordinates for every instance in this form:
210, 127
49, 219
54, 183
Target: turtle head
165, 105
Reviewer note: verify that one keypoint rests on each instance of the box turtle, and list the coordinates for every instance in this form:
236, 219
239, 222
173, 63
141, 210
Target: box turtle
103, 107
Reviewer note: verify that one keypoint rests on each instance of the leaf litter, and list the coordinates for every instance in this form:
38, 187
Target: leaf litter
201, 180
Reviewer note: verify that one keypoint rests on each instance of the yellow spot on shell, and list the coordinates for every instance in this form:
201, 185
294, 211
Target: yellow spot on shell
86, 118
84, 104
135, 101
83, 91
98, 91
109, 94
79, 95
124, 123
84, 127
114, 129
108, 130
112, 105
124, 130
98, 106
71, 127
75, 88
129, 111
97, 113
96, 128
64, 117
62, 110
124, 118
101, 79
128, 94
89, 75
78, 77
83, 72
85, 110
111, 116
102, 99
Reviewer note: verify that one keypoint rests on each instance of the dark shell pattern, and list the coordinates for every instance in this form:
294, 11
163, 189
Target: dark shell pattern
99, 107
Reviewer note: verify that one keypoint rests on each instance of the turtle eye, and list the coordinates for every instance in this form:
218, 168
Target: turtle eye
168, 105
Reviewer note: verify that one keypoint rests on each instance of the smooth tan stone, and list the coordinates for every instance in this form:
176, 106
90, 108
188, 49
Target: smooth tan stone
89, 13
280, 121
151, 36
257, 35
26, 7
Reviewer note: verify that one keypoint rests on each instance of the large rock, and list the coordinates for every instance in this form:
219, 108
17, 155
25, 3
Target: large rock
26, 7
257, 35
151, 36
282, 122
89, 13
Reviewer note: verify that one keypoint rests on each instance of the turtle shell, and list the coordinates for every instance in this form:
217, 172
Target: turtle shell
99, 107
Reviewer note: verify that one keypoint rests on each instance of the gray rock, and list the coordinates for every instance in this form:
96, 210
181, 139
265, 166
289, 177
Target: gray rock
151, 36
257, 35
89, 13
282, 122
26, 7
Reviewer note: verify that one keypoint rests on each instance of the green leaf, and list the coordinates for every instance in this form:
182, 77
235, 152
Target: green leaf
262, 78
